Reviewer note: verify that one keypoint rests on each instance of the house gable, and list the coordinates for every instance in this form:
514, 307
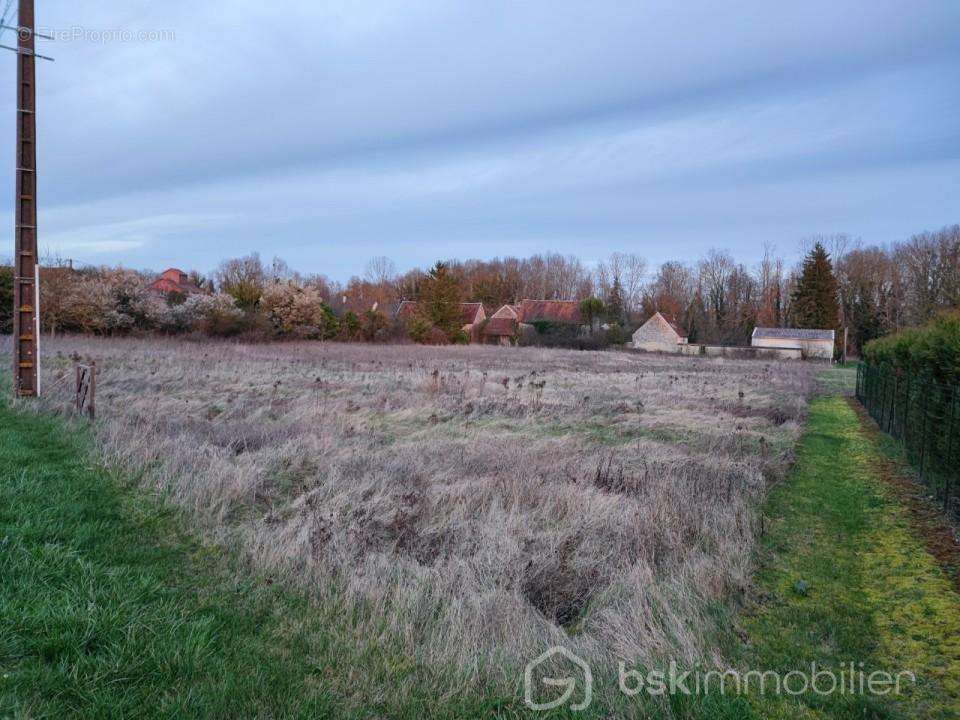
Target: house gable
472, 313
659, 334
510, 312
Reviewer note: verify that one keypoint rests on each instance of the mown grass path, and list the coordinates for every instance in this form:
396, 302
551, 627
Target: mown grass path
844, 579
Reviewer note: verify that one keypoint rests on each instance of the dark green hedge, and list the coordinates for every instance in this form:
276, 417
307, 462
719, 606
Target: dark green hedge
932, 350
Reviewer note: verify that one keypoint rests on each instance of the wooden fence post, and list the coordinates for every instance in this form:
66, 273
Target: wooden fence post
93, 391
86, 390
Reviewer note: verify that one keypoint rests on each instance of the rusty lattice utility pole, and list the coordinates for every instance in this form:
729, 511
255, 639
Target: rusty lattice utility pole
26, 286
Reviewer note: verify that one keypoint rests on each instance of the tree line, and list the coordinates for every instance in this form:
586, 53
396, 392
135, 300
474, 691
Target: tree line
842, 282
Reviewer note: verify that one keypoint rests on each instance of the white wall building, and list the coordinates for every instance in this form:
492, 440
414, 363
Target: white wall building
813, 344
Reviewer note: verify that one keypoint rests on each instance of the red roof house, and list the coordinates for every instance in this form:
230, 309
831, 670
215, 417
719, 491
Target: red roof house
508, 323
175, 281
472, 313
500, 330
503, 326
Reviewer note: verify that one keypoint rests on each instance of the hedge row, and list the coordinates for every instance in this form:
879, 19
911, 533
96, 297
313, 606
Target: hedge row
932, 350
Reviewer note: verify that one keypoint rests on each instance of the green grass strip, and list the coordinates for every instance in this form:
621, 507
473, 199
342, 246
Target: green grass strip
843, 579
109, 607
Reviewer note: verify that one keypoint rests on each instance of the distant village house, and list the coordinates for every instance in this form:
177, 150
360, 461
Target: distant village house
508, 324
503, 327
511, 322
175, 282
660, 334
812, 344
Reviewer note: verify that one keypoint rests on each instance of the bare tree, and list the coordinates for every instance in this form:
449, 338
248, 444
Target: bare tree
380, 270
770, 289
870, 304
671, 290
552, 277
948, 246
929, 270
837, 245
715, 270
631, 270
280, 271
564, 276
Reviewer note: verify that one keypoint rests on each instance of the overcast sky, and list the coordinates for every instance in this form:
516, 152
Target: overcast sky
327, 132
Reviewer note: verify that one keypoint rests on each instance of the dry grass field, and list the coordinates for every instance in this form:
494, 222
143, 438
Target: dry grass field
478, 503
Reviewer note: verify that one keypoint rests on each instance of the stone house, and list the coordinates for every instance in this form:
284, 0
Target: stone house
659, 334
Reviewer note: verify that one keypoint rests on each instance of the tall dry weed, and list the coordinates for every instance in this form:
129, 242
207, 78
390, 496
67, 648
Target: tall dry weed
479, 503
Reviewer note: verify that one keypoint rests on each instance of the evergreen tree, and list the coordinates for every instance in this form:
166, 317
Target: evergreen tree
864, 314
349, 325
440, 302
616, 309
815, 301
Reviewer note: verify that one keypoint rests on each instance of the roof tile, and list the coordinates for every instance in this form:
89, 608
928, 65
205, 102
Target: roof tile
563, 311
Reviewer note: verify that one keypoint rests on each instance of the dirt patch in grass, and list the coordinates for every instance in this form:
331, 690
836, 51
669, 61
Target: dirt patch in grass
926, 518
560, 592
777, 416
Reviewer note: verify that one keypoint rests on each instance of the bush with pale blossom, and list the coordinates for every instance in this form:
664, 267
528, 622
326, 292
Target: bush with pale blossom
296, 311
216, 314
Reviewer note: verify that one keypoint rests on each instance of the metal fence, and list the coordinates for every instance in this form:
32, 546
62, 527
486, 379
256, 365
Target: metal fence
925, 418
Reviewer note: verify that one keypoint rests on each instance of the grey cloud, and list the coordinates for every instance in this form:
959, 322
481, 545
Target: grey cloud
322, 130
